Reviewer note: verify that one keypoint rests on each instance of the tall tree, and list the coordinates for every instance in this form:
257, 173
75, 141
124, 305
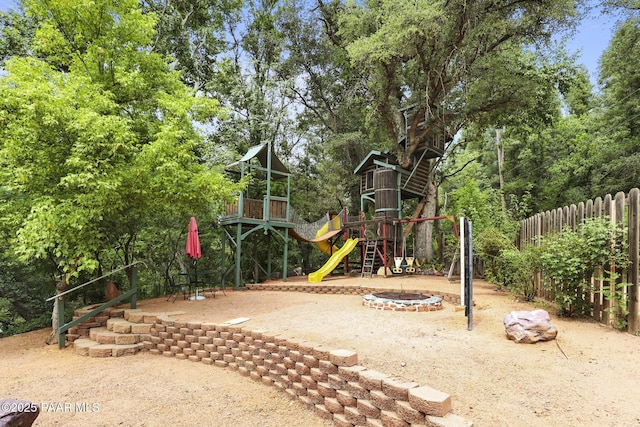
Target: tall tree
333, 109
251, 85
619, 158
193, 33
16, 33
98, 138
456, 61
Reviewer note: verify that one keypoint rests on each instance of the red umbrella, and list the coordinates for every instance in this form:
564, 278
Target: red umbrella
193, 241
193, 251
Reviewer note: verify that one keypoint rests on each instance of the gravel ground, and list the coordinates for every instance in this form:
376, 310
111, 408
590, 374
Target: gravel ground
589, 376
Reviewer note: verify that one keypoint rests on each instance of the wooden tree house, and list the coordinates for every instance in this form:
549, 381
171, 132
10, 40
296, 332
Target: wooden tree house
263, 207
386, 184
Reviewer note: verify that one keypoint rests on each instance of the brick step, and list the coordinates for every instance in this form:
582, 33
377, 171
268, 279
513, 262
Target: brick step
136, 315
104, 336
116, 332
121, 326
87, 347
108, 312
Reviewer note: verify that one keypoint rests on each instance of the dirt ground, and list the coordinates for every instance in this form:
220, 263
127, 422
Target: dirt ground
589, 376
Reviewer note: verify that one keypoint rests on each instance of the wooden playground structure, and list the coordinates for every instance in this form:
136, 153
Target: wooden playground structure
377, 244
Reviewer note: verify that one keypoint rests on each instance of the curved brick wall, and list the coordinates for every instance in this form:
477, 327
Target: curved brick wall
328, 381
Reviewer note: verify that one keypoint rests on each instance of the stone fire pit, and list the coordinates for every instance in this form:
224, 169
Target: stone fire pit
402, 301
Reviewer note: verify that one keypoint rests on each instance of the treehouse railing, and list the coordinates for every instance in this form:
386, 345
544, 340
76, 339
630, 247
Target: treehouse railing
274, 208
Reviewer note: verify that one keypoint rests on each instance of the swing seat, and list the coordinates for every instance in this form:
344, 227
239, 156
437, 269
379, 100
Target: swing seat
398, 262
410, 268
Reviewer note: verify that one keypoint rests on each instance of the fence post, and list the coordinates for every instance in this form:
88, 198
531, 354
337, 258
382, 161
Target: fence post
572, 217
597, 207
540, 218
580, 214
588, 209
608, 209
633, 325
619, 205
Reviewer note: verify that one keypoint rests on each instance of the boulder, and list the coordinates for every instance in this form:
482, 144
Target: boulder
17, 413
529, 327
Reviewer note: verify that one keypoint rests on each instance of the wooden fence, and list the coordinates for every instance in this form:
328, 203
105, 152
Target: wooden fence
620, 209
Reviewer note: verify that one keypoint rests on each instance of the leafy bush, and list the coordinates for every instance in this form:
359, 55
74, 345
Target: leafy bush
490, 244
570, 259
613, 291
42, 321
517, 270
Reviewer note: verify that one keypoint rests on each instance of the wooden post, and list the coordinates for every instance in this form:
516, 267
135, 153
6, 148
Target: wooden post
618, 207
633, 306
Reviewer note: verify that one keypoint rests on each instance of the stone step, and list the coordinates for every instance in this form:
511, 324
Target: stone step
87, 347
127, 331
104, 336
108, 312
121, 326
136, 315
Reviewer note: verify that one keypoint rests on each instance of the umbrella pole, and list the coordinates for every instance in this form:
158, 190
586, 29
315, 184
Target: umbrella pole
195, 270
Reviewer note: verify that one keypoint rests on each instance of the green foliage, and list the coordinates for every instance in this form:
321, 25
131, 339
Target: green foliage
105, 149
21, 326
490, 244
101, 144
517, 270
617, 160
473, 203
614, 292
193, 34
16, 33
571, 258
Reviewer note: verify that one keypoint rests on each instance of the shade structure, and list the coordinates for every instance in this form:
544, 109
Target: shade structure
193, 240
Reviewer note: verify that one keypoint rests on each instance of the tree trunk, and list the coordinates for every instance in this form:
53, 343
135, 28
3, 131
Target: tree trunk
424, 230
55, 321
500, 147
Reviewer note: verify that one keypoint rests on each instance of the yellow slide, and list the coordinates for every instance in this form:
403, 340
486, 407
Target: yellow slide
333, 262
323, 245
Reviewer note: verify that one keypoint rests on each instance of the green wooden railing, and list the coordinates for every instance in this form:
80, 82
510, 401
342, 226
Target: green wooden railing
63, 328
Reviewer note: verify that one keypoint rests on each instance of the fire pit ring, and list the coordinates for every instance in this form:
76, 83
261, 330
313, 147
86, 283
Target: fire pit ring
402, 301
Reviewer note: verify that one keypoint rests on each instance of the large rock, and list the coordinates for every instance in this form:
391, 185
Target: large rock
529, 326
17, 413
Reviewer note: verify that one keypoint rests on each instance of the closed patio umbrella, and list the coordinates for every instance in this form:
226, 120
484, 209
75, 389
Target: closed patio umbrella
193, 240
193, 250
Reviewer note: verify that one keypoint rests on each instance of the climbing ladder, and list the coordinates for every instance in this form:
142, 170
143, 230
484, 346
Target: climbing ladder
369, 258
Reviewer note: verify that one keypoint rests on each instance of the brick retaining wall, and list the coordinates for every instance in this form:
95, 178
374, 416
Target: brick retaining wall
344, 290
328, 381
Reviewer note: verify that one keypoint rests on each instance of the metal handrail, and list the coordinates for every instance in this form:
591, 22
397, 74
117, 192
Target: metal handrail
62, 328
95, 280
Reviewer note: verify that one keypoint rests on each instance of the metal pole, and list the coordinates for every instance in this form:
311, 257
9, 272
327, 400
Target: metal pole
61, 336
462, 239
134, 286
469, 278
